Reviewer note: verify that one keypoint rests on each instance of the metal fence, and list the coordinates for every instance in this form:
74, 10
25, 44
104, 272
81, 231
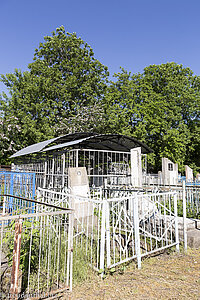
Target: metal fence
193, 201
35, 250
116, 225
18, 184
52, 172
87, 221
189, 193
109, 228
113, 228
191, 196
138, 225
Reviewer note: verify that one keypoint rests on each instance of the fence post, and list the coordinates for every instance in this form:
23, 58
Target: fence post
108, 233
71, 219
11, 192
184, 219
4, 205
2, 229
176, 222
38, 199
52, 175
45, 175
102, 246
70, 243
63, 171
136, 229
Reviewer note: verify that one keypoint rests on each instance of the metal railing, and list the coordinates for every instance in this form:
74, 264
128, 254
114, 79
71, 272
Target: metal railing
18, 184
35, 249
113, 227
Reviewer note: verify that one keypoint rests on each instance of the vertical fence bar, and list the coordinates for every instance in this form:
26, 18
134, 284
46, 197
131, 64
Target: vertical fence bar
40, 253
176, 222
33, 185
2, 229
108, 233
71, 216
4, 205
11, 192
63, 171
136, 229
52, 172
45, 174
77, 158
70, 244
102, 247
38, 199
184, 219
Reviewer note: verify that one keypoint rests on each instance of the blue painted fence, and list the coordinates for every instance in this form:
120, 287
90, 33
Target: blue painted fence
19, 184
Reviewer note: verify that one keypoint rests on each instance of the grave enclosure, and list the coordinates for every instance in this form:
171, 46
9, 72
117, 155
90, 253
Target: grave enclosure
119, 211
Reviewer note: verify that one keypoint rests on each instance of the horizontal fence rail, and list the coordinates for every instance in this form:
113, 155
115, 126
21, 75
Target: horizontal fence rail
108, 227
35, 249
189, 194
52, 172
138, 225
17, 183
112, 227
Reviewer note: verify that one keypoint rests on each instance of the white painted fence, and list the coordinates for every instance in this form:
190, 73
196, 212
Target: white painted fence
113, 228
138, 225
36, 248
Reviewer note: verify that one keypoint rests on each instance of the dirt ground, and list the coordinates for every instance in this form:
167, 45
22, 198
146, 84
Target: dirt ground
167, 276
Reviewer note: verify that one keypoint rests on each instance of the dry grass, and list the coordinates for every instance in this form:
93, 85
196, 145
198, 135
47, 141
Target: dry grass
167, 276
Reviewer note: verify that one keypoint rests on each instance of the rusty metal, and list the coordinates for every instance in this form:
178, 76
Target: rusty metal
46, 231
16, 260
37, 202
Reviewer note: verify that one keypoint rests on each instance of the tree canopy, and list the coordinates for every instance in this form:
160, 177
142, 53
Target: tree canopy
159, 107
66, 89
63, 76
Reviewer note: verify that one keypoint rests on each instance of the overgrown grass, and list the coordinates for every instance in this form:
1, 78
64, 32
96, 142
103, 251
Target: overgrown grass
170, 275
82, 271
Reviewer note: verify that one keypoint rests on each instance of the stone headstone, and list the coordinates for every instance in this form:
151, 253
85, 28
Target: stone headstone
79, 188
188, 174
136, 167
169, 172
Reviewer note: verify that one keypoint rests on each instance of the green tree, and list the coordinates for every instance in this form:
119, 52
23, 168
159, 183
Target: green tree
64, 75
160, 107
86, 118
9, 133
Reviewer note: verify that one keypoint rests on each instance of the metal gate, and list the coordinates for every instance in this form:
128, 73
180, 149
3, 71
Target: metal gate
138, 225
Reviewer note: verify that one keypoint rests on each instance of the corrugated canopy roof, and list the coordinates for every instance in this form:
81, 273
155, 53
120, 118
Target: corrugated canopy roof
110, 142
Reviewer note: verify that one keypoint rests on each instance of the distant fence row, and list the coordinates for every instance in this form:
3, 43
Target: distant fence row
18, 184
109, 227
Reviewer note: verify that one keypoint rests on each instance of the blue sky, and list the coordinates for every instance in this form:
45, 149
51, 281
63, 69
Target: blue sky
131, 34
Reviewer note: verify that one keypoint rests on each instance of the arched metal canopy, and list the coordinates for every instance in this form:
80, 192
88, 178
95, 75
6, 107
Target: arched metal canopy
109, 142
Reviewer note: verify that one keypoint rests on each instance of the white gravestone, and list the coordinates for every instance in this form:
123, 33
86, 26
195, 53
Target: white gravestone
136, 167
79, 188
